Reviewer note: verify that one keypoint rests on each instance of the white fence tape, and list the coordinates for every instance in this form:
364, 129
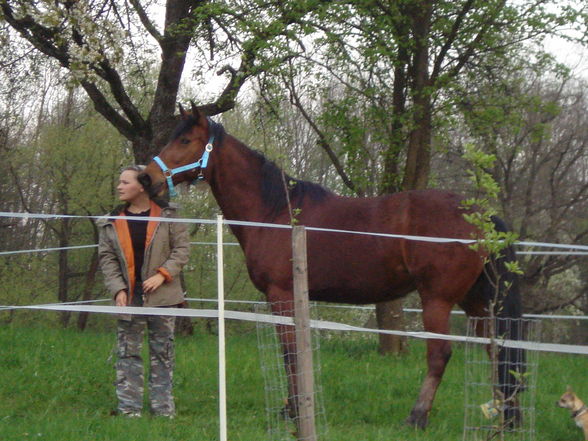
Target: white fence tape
553, 253
42, 250
185, 312
285, 226
77, 247
371, 308
333, 306
317, 324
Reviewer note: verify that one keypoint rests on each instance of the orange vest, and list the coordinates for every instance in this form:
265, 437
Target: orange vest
124, 238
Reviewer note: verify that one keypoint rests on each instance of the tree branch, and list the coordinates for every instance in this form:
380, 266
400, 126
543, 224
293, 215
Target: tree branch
451, 37
322, 139
102, 106
470, 49
147, 23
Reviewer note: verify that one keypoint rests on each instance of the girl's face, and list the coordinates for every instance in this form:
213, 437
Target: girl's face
129, 187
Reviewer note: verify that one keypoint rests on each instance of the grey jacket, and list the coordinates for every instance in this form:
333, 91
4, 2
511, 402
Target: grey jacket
166, 251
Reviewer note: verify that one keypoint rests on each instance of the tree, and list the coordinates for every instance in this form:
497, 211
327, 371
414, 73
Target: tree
533, 119
111, 47
70, 169
386, 73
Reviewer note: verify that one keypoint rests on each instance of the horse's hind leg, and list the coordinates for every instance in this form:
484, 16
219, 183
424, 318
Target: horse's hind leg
508, 359
436, 319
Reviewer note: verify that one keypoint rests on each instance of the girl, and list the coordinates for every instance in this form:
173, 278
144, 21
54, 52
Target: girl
141, 261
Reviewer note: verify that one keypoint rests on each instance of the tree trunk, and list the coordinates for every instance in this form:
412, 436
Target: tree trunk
418, 159
90, 281
62, 289
390, 315
184, 325
88, 290
143, 150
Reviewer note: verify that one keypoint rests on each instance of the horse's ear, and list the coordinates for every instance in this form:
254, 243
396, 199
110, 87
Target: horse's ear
195, 112
183, 113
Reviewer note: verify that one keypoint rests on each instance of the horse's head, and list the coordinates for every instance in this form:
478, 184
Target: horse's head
184, 157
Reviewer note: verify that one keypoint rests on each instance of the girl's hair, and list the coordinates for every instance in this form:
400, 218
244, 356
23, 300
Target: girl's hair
145, 181
140, 169
137, 168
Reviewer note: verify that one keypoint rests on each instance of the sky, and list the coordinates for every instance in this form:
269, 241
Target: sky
573, 55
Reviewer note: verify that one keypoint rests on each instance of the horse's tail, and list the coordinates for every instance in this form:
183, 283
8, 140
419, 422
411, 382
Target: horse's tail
502, 285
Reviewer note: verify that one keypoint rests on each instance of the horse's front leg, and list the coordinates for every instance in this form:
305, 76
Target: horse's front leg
283, 305
436, 319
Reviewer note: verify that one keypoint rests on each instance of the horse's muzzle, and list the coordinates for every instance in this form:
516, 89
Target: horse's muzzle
145, 180
153, 188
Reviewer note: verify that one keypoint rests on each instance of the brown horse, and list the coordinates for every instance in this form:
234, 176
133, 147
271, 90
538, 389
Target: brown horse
345, 268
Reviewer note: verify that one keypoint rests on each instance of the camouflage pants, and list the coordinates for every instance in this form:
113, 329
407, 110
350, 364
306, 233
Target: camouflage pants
129, 365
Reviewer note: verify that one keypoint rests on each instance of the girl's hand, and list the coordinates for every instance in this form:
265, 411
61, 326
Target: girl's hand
121, 298
152, 283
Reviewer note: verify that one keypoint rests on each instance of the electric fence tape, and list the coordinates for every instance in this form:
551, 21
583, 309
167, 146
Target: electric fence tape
285, 226
317, 324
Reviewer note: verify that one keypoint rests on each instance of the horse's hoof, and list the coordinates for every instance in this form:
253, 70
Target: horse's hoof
417, 419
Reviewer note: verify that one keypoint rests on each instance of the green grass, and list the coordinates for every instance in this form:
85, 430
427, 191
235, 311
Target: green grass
57, 385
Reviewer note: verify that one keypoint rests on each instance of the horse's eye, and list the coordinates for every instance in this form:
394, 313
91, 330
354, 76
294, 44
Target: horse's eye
185, 141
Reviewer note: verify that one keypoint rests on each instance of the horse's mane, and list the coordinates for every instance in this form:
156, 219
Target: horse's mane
273, 183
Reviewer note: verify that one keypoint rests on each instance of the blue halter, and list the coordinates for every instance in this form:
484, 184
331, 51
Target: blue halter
201, 163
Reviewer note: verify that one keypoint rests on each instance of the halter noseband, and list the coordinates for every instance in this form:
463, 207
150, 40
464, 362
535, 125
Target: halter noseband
201, 163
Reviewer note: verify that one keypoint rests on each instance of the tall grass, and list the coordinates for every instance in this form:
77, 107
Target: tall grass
57, 385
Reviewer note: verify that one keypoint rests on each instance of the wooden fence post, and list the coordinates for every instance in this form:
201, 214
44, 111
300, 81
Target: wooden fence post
304, 366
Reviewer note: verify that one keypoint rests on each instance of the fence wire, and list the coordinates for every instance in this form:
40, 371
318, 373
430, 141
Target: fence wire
282, 418
487, 417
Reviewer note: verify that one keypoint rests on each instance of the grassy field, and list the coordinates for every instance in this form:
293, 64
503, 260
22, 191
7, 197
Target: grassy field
57, 385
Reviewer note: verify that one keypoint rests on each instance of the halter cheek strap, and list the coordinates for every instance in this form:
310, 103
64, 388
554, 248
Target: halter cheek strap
201, 164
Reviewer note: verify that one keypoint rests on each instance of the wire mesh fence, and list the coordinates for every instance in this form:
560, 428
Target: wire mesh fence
500, 385
278, 361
